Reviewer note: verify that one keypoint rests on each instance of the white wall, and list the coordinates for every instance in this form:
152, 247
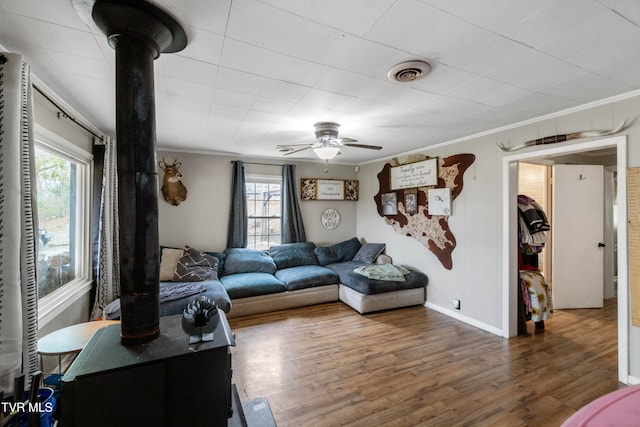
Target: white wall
477, 218
46, 116
201, 220
475, 273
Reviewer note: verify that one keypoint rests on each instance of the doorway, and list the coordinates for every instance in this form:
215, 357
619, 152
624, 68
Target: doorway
510, 267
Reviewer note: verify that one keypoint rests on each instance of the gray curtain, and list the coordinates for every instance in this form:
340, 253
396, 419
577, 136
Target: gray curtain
237, 236
108, 274
96, 197
292, 224
18, 223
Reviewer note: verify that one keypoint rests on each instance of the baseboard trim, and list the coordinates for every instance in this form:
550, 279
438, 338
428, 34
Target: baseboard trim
468, 320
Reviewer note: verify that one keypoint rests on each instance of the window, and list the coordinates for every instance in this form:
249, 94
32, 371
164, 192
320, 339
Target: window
263, 211
56, 218
62, 179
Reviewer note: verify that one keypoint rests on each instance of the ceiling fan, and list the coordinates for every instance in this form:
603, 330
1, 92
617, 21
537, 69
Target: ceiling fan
327, 145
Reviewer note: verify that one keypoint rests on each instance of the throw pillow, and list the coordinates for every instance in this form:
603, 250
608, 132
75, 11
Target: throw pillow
221, 256
369, 252
196, 266
348, 248
168, 262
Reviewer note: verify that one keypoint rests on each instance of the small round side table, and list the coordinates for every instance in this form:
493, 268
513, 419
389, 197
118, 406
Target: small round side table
69, 340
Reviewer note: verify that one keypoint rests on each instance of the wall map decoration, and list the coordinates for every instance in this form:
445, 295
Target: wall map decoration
430, 230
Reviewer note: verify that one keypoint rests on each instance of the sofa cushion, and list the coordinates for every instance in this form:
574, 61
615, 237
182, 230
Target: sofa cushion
369, 252
342, 251
242, 260
348, 277
195, 266
293, 254
174, 297
306, 276
251, 284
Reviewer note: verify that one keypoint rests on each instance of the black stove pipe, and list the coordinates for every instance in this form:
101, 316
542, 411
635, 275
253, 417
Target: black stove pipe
139, 32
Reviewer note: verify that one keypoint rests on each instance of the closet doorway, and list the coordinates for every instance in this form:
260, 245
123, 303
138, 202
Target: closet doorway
571, 191
617, 147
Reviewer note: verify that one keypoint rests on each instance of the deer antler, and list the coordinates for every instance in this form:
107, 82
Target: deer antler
565, 137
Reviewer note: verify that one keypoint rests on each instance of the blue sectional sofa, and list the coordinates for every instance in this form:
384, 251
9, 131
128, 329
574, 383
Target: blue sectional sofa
248, 281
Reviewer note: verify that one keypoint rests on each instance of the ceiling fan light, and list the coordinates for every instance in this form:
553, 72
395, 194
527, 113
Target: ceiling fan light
326, 153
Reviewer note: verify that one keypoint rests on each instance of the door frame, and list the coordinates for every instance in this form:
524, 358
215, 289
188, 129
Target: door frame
510, 233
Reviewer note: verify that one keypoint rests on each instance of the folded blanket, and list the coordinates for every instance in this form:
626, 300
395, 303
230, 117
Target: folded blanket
170, 293
167, 293
390, 272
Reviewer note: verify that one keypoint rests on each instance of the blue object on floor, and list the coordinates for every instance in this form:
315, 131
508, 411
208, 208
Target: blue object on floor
46, 405
53, 381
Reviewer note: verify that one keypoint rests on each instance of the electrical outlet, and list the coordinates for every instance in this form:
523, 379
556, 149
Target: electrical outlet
456, 304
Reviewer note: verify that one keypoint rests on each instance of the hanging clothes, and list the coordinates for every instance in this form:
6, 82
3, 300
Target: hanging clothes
532, 214
538, 295
532, 223
534, 292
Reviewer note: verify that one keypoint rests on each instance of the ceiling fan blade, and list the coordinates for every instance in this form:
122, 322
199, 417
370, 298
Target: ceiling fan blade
343, 140
371, 147
293, 148
285, 146
298, 150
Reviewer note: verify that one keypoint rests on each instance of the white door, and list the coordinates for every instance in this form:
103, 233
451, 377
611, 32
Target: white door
577, 234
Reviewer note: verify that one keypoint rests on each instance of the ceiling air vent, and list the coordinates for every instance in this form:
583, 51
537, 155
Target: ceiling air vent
409, 71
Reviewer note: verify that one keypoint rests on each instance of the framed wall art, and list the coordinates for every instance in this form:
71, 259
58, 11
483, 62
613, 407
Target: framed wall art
411, 201
389, 203
328, 189
439, 201
413, 175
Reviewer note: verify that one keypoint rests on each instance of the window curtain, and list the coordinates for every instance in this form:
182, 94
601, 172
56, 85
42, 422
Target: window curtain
108, 274
96, 203
292, 225
18, 223
237, 236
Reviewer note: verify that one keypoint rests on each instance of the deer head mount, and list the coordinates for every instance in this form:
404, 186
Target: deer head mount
173, 190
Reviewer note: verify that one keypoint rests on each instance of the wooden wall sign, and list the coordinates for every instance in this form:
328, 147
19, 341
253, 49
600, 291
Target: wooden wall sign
416, 221
413, 175
328, 189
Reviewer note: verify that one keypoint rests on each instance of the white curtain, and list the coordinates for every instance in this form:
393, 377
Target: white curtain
18, 223
108, 286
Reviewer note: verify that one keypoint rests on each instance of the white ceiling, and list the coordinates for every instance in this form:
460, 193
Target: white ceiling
257, 73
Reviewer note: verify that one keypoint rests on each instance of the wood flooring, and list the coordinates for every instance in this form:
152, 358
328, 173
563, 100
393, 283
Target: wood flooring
326, 365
